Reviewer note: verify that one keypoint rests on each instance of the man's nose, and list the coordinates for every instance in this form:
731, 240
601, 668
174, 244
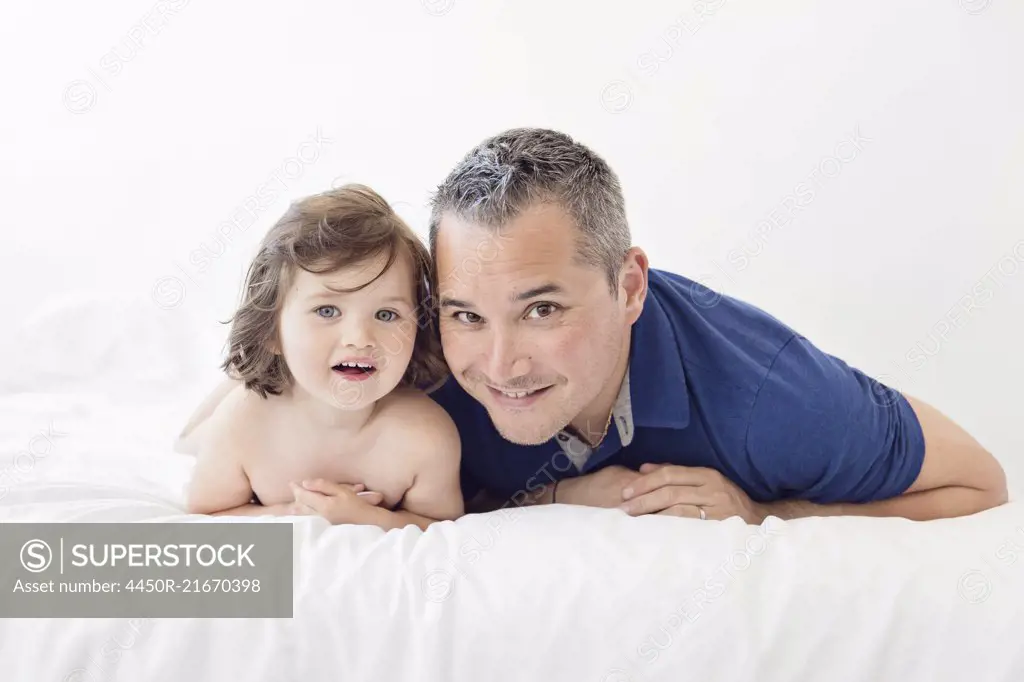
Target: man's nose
505, 359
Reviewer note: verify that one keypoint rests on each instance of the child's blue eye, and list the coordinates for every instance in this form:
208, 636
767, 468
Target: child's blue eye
387, 315
327, 311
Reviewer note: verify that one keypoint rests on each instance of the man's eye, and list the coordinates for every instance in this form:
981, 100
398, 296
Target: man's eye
386, 315
542, 310
467, 317
327, 311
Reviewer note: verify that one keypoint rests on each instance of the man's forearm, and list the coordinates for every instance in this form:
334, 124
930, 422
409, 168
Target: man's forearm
925, 505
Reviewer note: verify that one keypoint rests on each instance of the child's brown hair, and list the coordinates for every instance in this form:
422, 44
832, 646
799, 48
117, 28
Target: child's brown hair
320, 234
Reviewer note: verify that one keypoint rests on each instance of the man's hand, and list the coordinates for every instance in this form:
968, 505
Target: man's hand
603, 488
683, 491
336, 502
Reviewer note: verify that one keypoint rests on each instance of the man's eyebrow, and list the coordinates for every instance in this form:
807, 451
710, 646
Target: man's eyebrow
543, 289
454, 303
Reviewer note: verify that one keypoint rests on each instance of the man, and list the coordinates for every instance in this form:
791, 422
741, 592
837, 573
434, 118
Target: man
582, 376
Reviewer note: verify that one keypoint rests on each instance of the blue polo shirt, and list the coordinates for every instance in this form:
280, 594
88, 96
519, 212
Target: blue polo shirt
716, 382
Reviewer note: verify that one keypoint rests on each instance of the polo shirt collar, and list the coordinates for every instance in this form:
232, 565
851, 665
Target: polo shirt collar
579, 453
658, 381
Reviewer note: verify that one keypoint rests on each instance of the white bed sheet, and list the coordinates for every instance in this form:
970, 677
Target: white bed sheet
546, 593
554, 593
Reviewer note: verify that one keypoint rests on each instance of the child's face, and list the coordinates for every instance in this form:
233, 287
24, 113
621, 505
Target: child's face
322, 331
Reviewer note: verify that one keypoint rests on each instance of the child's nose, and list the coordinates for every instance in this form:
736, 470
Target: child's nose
358, 335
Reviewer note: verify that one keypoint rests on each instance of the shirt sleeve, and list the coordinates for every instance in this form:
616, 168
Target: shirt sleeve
822, 431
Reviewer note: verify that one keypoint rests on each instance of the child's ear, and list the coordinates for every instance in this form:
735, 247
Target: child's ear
273, 345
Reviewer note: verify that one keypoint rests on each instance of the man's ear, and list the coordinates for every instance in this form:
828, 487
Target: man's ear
633, 282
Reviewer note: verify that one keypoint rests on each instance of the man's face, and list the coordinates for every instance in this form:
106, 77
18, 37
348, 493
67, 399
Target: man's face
530, 333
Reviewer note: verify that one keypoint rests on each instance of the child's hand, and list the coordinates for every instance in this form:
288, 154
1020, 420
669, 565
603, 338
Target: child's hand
291, 509
336, 502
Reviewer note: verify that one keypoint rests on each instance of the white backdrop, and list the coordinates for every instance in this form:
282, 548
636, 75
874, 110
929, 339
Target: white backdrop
853, 168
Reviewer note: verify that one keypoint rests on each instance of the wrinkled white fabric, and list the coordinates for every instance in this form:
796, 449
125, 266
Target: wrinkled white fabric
550, 593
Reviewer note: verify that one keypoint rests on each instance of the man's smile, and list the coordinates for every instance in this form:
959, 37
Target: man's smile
517, 399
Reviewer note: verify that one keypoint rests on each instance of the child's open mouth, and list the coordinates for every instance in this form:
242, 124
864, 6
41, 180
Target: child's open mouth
355, 371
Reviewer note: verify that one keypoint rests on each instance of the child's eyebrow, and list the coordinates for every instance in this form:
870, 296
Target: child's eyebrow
332, 294
323, 293
397, 299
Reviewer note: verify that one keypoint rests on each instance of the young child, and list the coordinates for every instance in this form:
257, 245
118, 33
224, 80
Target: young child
330, 353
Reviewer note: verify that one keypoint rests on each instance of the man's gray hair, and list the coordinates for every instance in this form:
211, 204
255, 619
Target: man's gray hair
512, 171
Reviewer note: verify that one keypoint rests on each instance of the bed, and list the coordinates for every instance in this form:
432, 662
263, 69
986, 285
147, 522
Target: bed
555, 593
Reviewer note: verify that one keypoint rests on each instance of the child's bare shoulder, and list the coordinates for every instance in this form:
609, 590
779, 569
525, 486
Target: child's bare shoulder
239, 421
413, 416
241, 403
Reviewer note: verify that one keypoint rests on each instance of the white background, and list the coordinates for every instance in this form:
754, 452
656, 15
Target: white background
131, 133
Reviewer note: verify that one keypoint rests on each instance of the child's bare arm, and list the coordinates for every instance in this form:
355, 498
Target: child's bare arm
253, 509
219, 485
189, 439
428, 446
338, 504
435, 493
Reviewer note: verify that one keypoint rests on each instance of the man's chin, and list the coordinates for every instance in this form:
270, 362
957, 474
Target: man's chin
521, 436
516, 427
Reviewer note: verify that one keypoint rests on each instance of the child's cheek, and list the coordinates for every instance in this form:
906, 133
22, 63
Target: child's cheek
396, 346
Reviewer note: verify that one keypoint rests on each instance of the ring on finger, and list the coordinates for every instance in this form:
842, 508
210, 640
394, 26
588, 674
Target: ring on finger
700, 510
